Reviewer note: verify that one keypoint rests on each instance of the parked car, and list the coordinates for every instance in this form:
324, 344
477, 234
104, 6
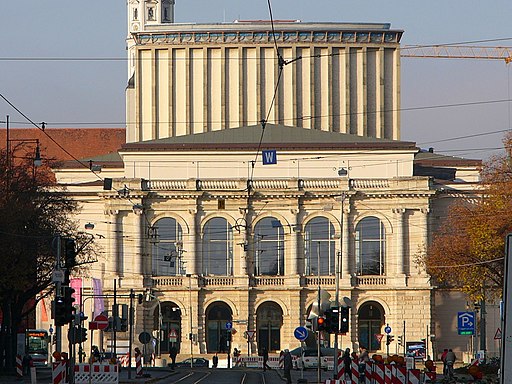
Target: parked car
196, 363
308, 359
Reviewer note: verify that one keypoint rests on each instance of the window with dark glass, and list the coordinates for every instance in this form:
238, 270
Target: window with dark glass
166, 242
319, 247
217, 257
370, 247
269, 247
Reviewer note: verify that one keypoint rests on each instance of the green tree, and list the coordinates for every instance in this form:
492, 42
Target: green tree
32, 211
468, 248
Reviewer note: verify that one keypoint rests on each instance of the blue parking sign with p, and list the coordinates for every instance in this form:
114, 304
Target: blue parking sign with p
466, 323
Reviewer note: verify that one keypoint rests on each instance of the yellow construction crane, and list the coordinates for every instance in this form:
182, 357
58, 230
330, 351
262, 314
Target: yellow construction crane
458, 52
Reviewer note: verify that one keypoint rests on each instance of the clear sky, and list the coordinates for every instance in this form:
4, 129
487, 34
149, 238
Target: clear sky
67, 93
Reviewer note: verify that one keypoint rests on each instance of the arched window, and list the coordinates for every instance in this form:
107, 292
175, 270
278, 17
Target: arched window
167, 319
269, 320
319, 247
269, 247
370, 246
217, 247
166, 251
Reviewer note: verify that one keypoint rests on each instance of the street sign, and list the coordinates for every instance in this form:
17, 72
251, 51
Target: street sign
173, 336
144, 337
301, 333
387, 329
378, 337
229, 325
497, 335
249, 334
101, 322
466, 323
269, 156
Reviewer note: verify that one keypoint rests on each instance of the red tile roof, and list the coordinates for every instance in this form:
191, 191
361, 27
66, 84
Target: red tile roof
81, 143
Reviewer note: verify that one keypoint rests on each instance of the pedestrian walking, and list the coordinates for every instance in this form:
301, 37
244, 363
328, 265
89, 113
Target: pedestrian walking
264, 353
215, 361
287, 365
347, 364
443, 359
450, 361
173, 352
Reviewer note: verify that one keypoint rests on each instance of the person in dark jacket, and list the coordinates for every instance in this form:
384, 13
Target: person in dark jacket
172, 354
287, 366
347, 363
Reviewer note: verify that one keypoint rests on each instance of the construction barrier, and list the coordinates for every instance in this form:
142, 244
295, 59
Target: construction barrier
281, 360
253, 362
355, 371
138, 365
59, 372
272, 362
388, 374
124, 360
379, 373
430, 377
96, 373
413, 376
19, 366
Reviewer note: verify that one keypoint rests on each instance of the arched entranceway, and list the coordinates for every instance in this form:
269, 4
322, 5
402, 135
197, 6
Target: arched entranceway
170, 327
217, 315
370, 322
269, 320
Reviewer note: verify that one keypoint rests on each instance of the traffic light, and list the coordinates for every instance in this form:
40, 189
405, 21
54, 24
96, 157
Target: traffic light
389, 339
332, 317
321, 324
60, 311
400, 340
124, 318
69, 253
67, 296
82, 336
345, 319
140, 298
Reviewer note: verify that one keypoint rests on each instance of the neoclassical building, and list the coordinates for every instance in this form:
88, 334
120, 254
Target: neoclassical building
230, 204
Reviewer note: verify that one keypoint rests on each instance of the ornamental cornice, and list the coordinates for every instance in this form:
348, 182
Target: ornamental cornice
290, 37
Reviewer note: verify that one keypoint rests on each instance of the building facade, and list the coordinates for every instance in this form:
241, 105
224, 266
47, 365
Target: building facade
227, 206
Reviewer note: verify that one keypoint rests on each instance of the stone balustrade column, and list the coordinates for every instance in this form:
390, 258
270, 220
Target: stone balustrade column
399, 240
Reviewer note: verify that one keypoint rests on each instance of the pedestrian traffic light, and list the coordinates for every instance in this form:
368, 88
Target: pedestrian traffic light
399, 339
389, 339
345, 319
320, 321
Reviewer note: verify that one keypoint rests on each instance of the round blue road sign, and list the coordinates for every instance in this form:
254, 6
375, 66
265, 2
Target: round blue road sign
301, 333
229, 325
387, 329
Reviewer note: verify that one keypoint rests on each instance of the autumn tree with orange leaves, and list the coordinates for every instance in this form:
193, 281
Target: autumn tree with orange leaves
468, 249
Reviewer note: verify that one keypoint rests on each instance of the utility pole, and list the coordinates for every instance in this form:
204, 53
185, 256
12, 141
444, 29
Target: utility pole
58, 290
130, 341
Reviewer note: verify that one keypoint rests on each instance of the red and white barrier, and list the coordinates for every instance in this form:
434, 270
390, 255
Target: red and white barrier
413, 376
59, 372
368, 373
378, 373
281, 360
19, 366
401, 375
355, 371
124, 360
138, 365
96, 373
430, 377
388, 374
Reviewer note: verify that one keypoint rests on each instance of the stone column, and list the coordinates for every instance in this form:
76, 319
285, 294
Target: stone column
191, 266
345, 257
138, 265
399, 232
115, 266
